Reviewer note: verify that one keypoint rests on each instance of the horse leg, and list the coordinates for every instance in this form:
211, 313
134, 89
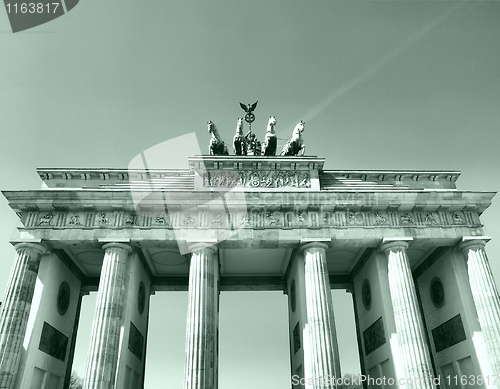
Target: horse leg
285, 149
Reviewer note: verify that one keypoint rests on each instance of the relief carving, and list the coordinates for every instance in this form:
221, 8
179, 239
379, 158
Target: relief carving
161, 220
53, 342
216, 219
75, 220
262, 218
300, 218
131, 219
273, 219
457, 218
103, 218
405, 218
244, 221
46, 220
189, 220
358, 218
430, 218
380, 219
257, 179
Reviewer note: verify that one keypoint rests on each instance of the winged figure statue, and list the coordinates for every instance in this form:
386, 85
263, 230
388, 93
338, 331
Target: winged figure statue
248, 108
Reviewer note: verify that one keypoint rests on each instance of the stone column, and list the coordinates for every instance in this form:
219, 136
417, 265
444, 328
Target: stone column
15, 309
485, 295
413, 346
323, 358
106, 328
72, 347
201, 370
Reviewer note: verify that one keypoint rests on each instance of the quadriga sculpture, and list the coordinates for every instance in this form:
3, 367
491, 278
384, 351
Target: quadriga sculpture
216, 146
270, 140
295, 145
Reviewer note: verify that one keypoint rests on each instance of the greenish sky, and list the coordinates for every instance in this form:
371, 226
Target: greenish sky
380, 84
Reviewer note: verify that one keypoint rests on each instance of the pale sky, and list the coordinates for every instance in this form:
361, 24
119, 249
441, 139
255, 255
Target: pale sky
380, 84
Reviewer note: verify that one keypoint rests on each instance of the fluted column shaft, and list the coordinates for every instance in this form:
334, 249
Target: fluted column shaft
202, 321
324, 355
105, 342
485, 296
16, 309
409, 324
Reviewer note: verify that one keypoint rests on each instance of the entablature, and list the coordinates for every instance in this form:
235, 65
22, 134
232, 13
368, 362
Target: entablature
141, 201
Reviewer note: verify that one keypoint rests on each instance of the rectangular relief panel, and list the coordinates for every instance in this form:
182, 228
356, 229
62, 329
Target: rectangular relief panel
53, 381
388, 371
449, 333
473, 380
374, 336
374, 374
449, 378
135, 341
53, 342
131, 378
38, 378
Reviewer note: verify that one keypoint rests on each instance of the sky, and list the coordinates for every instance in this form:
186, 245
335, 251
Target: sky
380, 85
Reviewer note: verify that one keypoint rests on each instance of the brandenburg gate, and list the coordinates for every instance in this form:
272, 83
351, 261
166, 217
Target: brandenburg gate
408, 245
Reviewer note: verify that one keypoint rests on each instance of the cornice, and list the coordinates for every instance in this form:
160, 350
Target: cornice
231, 162
354, 200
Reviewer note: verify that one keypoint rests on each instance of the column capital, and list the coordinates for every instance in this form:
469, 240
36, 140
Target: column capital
472, 241
313, 244
396, 242
37, 247
118, 245
201, 246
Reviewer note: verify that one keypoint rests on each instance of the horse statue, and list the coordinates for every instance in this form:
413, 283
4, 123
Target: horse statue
295, 145
216, 146
239, 141
270, 140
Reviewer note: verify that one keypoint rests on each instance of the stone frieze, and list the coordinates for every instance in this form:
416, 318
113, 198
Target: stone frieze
257, 179
258, 217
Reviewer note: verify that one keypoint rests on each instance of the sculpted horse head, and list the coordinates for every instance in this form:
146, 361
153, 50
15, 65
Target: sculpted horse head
212, 129
270, 140
298, 130
239, 127
216, 146
239, 141
271, 124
